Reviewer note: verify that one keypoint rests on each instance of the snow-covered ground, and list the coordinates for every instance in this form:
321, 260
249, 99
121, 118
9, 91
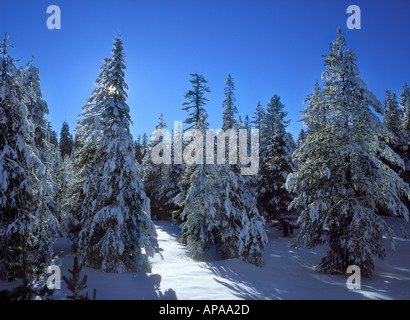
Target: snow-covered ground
286, 273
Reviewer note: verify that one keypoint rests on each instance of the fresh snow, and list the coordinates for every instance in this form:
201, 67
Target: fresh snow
286, 273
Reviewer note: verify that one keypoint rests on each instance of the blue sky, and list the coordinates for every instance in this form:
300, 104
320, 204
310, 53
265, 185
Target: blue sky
269, 47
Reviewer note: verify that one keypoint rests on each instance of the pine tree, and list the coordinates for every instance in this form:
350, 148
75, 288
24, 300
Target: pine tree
301, 138
195, 101
405, 103
275, 165
317, 106
392, 116
392, 119
138, 150
26, 227
341, 178
66, 141
43, 149
217, 210
154, 176
228, 116
88, 136
52, 135
37, 108
258, 117
64, 173
144, 145
116, 233
201, 208
241, 230
199, 200
75, 285
247, 123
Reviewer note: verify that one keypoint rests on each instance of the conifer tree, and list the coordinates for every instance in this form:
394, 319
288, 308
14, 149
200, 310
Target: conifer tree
275, 165
117, 233
37, 108
393, 121
43, 149
405, 104
154, 178
392, 116
199, 199
26, 226
258, 117
52, 135
217, 210
195, 101
301, 138
66, 141
138, 150
341, 178
144, 145
228, 116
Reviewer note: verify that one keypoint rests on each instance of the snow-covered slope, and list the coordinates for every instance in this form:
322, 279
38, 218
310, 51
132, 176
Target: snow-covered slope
286, 273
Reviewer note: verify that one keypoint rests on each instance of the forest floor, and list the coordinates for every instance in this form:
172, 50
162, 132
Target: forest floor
286, 273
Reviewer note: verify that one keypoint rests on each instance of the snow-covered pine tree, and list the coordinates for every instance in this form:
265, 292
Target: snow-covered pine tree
228, 105
52, 134
37, 108
138, 150
201, 211
178, 181
258, 117
301, 138
117, 233
342, 178
405, 104
195, 101
218, 213
276, 163
144, 145
66, 141
392, 116
154, 176
64, 173
241, 227
258, 121
88, 134
392, 119
26, 226
199, 202
62, 166
247, 123
172, 188
194, 106
44, 149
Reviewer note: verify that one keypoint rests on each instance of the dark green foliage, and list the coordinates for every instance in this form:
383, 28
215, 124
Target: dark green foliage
27, 270
196, 101
52, 135
66, 141
75, 285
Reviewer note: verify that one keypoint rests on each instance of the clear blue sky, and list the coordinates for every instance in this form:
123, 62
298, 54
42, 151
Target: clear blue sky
269, 47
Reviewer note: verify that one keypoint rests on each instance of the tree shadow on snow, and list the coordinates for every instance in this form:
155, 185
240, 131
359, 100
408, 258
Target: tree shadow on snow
140, 285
